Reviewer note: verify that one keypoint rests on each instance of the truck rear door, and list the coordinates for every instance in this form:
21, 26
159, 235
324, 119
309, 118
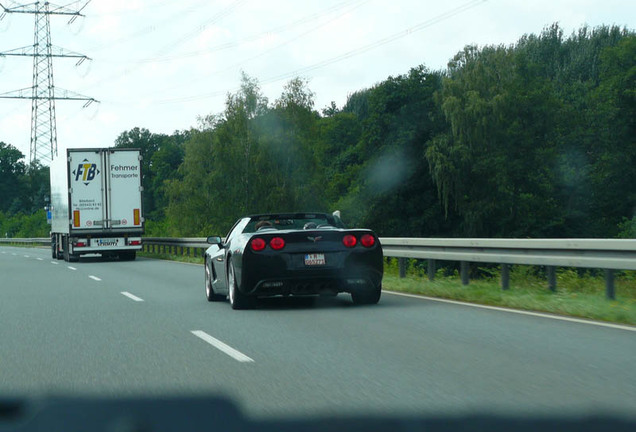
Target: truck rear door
86, 180
123, 189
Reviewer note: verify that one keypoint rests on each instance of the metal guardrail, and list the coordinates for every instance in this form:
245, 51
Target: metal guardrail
40, 241
606, 254
589, 253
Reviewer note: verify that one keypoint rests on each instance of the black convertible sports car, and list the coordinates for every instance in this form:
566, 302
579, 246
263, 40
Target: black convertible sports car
293, 254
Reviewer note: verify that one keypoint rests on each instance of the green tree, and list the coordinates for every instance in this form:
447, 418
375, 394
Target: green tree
12, 177
289, 142
237, 140
216, 181
612, 116
195, 195
523, 147
380, 177
164, 165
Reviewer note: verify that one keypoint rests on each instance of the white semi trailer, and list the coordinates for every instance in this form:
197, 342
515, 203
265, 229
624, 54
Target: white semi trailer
96, 203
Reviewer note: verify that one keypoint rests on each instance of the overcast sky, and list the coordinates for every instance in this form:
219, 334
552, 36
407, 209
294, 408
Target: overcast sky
160, 64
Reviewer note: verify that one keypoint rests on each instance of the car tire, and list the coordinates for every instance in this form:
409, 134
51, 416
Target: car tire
238, 300
209, 290
366, 297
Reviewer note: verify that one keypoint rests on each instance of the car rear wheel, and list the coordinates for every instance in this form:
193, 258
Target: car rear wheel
371, 296
238, 300
209, 291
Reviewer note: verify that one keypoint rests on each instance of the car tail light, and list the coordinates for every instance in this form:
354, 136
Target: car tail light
277, 243
135, 242
80, 244
257, 244
367, 240
349, 241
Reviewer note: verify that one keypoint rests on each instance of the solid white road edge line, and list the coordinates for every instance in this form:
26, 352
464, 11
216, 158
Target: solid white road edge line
95, 278
132, 296
237, 355
520, 312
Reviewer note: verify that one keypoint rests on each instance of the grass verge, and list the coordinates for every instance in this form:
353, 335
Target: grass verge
577, 295
171, 257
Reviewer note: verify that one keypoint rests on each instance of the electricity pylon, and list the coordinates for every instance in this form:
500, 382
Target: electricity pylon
43, 92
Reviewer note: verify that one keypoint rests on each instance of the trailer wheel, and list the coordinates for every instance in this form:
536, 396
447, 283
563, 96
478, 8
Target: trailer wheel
58, 255
68, 257
65, 249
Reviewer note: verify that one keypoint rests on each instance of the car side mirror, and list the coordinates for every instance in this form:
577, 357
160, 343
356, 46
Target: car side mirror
215, 240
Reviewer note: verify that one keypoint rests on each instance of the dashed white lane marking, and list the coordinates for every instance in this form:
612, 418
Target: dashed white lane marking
40, 259
132, 296
236, 355
520, 312
54, 262
27, 256
71, 268
95, 278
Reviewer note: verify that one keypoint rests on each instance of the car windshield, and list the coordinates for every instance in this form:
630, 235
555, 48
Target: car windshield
183, 235
295, 221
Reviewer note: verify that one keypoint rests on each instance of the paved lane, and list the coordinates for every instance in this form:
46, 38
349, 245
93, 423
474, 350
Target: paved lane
74, 332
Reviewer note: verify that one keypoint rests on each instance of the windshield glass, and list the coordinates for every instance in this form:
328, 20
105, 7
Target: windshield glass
294, 221
181, 234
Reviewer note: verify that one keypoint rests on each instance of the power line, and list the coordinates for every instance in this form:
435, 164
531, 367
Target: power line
287, 42
237, 43
404, 33
421, 26
150, 28
354, 6
127, 70
42, 92
202, 27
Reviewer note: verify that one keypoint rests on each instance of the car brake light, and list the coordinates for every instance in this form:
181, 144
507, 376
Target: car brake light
349, 241
257, 244
367, 240
277, 243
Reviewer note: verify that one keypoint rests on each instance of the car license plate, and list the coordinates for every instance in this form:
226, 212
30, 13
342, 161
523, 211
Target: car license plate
314, 259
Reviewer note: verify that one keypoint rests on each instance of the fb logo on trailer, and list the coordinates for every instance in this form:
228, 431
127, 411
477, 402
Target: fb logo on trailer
86, 170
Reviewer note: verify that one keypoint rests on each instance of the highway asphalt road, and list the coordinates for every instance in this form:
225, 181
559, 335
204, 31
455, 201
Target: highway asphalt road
144, 328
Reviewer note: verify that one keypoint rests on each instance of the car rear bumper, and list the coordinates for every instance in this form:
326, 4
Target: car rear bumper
326, 284
271, 274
